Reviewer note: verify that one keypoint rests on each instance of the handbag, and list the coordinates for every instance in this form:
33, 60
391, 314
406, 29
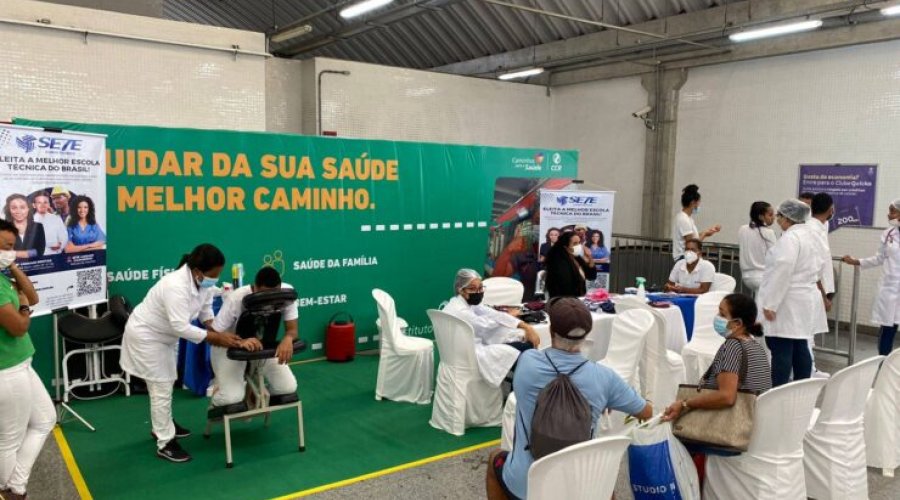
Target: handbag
728, 429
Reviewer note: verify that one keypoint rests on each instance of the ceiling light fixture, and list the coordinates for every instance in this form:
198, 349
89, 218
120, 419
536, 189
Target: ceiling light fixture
290, 34
783, 29
361, 8
521, 74
891, 11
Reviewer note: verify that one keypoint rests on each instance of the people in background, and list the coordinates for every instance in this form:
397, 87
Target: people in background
55, 232
806, 197
599, 252
693, 274
499, 336
741, 363
683, 226
789, 296
84, 232
822, 208
150, 342
582, 231
27, 414
61, 197
886, 310
550, 238
754, 240
30, 239
229, 396
568, 268
570, 322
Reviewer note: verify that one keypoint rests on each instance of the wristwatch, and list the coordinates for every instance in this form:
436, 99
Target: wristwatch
27, 309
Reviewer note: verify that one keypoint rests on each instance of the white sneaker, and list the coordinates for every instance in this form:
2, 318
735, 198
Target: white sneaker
818, 374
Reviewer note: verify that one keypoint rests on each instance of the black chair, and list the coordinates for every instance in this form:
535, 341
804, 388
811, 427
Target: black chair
95, 336
261, 319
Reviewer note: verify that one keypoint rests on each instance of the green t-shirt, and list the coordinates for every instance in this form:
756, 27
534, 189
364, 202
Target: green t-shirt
13, 350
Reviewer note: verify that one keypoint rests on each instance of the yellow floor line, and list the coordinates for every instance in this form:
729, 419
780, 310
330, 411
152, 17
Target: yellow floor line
74, 471
385, 472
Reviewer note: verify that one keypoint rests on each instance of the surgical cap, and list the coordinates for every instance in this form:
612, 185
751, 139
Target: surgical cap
794, 210
896, 204
463, 278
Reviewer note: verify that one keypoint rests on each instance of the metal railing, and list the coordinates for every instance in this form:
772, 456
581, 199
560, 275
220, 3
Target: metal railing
651, 258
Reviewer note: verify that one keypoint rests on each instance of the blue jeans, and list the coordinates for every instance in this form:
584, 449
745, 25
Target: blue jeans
886, 339
789, 355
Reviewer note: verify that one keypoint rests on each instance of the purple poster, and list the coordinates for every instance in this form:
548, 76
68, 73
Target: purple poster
851, 186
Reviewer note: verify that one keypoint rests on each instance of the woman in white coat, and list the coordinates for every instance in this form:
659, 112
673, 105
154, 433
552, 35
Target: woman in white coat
149, 346
886, 311
499, 337
789, 296
755, 239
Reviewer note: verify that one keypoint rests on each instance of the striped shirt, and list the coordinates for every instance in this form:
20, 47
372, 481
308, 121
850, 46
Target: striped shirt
728, 359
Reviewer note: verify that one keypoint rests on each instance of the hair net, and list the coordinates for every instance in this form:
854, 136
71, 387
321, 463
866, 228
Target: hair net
896, 204
794, 210
463, 278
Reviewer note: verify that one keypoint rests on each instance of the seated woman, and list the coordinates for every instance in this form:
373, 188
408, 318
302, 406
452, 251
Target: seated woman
84, 232
568, 268
30, 238
692, 274
599, 252
499, 336
737, 323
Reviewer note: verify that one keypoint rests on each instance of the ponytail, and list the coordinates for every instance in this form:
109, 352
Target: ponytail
203, 258
755, 329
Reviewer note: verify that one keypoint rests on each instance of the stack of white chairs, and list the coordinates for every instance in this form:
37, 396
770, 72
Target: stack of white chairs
406, 364
834, 450
462, 397
661, 370
723, 283
699, 353
882, 418
584, 471
503, 291
772, 466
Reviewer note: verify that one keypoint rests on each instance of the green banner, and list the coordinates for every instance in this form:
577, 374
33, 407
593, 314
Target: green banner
338, 217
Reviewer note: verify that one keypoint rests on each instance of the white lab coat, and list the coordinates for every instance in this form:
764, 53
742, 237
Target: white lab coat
827, 273
150, 343
754, 243
55, 232
494, 358
789, 286
886, 310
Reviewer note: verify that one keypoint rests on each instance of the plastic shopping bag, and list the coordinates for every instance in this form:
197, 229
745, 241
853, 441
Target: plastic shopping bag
659, 465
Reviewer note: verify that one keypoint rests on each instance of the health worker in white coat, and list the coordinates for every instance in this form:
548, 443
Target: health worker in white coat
150, 343
789, 295
886, 311
499, 336
755, 239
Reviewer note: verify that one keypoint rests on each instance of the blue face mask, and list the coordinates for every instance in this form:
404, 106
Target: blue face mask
696, 210
207, 282
720, 325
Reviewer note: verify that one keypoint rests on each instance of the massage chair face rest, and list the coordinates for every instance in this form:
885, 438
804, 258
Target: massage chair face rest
262, 315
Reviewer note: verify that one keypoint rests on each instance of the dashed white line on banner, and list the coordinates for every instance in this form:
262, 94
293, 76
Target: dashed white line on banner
422, 226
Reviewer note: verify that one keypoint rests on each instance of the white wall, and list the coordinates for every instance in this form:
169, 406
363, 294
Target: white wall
378, 102
744, 128
595, 118
50, 74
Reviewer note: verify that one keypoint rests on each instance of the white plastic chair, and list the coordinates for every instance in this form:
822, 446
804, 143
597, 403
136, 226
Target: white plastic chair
834, 449
772, 466
699, 353
508, 423
882, 419
503, 291
406, 364
723, 283
462, 397
629, 333
584, 471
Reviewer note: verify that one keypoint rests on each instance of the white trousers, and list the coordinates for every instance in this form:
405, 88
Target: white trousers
27, 416
161, 411
230, 377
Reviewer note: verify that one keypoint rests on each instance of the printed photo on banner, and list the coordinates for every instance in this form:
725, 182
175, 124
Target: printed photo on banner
53, 189
851, 186
588, 214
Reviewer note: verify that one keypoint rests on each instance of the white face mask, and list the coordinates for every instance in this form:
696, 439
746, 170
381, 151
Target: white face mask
690, 257
894, 222
578, 250
7, 257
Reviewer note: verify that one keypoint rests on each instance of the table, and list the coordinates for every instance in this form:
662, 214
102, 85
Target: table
685, 303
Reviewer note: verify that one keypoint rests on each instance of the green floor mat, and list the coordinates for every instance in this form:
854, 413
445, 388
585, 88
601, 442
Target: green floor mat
348, 434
